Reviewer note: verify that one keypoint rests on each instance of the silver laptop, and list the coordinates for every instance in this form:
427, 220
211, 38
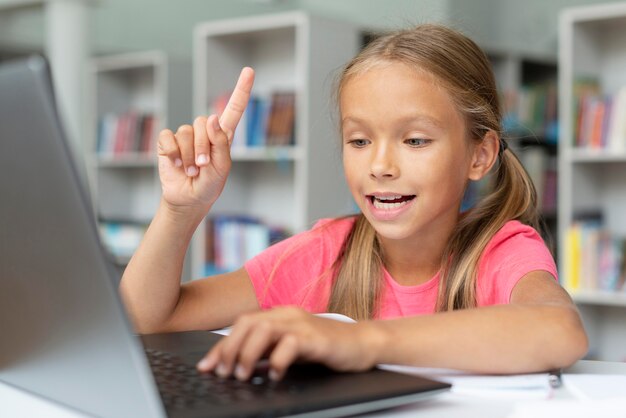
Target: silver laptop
65, 335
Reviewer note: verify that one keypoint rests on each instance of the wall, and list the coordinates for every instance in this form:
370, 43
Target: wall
528, 27
127, 25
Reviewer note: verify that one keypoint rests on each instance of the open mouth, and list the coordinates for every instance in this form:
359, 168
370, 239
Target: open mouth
390, 202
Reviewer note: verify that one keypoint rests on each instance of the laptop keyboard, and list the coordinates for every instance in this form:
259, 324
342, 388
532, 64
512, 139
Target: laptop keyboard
182, 386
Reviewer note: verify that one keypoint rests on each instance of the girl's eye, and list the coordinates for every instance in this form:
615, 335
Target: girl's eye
417, 142
358, 143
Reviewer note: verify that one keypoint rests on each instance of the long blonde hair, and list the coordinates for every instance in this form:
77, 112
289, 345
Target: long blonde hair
463, 69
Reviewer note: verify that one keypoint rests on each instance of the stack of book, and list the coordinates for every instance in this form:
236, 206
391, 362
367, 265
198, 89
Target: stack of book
127, 133
231, 240
267, 121
594, 258
600, 120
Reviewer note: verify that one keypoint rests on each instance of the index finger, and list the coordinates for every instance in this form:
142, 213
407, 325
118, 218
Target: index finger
237, 102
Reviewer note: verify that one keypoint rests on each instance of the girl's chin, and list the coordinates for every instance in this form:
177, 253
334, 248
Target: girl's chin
390, 231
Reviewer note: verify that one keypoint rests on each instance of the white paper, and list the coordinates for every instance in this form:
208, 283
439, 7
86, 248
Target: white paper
570, 408
596, 387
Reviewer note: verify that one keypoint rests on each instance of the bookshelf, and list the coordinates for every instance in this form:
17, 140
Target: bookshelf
291, 185
591, 174
132, 97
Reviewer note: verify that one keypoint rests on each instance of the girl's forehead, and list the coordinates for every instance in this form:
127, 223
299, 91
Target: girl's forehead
398, 68
395, 94
398, 83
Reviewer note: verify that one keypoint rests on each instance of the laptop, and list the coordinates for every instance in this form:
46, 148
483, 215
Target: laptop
65, 334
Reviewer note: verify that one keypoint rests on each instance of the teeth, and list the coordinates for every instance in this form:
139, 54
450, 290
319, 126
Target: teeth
381, 205
387, 197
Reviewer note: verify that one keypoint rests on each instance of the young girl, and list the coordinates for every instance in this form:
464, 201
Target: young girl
429, 285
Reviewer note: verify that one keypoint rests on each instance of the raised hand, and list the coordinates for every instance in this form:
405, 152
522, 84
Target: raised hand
195, 161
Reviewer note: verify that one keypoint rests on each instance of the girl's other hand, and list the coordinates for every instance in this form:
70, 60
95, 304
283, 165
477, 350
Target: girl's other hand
195, 161
289, 334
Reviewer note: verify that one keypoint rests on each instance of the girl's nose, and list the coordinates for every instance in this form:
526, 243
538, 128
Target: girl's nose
383, 164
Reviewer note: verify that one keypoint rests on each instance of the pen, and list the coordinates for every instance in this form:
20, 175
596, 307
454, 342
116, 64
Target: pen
554, 378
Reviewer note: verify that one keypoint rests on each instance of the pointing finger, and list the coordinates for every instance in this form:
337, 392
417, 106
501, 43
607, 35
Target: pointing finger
237, 102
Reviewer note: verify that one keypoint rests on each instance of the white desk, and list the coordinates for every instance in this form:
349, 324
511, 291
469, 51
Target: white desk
15, 403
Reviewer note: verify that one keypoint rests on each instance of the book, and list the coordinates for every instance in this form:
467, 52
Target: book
130, 132
616, 126
267, 120
233, 239
595, 259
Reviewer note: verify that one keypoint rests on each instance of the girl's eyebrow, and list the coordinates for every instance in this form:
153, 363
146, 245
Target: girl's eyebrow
420, 118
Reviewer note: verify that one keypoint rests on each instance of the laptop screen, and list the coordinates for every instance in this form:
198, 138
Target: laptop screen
65, 335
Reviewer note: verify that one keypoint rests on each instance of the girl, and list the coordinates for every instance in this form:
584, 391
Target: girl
430, 286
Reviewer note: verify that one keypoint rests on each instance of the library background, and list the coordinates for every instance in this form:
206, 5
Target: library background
560, 68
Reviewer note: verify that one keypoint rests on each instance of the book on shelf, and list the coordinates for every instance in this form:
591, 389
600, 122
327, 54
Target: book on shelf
595, 259
600, 118
267, 120
121, 238
231, 240
126, 133
532, 111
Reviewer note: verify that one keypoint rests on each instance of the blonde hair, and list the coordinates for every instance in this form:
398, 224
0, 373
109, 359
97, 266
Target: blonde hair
463, 70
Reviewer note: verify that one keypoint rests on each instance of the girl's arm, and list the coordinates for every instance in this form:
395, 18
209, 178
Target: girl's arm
539, 330
151, 289
193, 164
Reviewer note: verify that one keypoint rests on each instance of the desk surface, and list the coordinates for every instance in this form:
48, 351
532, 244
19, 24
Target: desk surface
17, 403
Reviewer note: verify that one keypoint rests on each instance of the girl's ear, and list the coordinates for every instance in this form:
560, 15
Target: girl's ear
484, 156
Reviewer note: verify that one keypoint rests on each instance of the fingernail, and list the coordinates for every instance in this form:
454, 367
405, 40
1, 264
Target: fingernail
273, 374
203, 364
201, 159
221, 370
216, 124
240, 372
192, 170
178, 162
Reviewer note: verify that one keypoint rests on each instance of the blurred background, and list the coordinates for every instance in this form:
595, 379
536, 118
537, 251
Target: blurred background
125, 69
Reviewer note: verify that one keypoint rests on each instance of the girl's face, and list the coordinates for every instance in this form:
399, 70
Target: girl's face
406, 155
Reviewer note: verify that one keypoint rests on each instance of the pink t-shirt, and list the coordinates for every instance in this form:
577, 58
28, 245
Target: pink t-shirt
299, 270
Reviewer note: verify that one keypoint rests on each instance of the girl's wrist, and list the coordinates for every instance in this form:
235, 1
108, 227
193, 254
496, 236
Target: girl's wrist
181, 215
376, 338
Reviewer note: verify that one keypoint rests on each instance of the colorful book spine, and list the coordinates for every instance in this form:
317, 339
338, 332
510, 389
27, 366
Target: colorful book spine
594, 258
126, 133
267, 120
600, 120
231, 240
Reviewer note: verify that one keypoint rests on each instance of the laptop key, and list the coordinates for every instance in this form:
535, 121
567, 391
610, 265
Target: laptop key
182, 386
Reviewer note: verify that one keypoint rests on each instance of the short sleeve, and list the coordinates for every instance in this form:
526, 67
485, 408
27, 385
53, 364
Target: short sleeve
514, 251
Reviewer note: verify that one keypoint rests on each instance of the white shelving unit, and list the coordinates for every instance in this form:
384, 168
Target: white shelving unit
125, 185
290, 186
593, 44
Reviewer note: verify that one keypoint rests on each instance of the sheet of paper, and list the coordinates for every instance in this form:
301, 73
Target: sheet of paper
570, 408
596, 386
